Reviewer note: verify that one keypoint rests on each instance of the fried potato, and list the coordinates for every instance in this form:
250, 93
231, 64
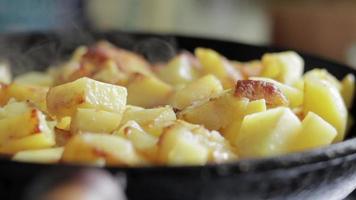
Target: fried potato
152, 120
23, 127
286, 67
348, 89
213, 63
315, 132
92, 148
63, 100
154, 91
203, 88
325, 100
267, 133
94, 121
51, 155
179, 71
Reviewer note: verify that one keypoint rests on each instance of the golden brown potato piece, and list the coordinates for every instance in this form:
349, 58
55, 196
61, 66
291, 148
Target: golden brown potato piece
179, 71
214, 63
98, 149
188, 144
35, 78
25, 92
148, 91
94, 121
152, 120
63, 100
256, 89
203, 88
51, 155
23, 127
216, 113
145, 143
286, 67
127, 61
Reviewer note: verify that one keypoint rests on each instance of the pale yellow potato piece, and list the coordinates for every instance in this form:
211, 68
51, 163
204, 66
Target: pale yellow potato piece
148, 91
51, 155
205, 87
39, 140
323, 74
267, 133
219, 148
32, 93
94, 121
325, 100
35, 78
348, 89
14, 108
294, 95
19, 120
286, 67
216, 113
152, 120
178, 71
64, 123
315, 132
214, 63
91, 148
233, 129
144, 142
178, 146
256, 106
63, 100
110, 73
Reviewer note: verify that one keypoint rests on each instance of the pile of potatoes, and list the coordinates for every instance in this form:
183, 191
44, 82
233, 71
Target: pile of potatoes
108, 106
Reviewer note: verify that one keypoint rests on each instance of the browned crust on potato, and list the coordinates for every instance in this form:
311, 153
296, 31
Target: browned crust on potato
258, 89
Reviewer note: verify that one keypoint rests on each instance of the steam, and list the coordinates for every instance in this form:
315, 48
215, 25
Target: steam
27, 51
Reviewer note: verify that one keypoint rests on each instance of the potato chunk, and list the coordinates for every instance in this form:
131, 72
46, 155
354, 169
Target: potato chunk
110, 73
32, 93
214, 63
323, 74
202, 88
258, 89
325, 100
286, 67
177, 146
51, 155
95, 121
92, 148
267, 133
187, 144
39, 140
348, 89
315, 132
148, 91
23, 127
152, 120
294, 95
35, 78
256, 106
179, 70
144, 143
216, 113
233, 129
63, 100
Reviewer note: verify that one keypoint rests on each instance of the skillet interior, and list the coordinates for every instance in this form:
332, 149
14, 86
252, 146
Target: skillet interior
37, 50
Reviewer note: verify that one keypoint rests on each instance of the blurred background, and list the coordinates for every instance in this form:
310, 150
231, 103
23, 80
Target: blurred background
323, 27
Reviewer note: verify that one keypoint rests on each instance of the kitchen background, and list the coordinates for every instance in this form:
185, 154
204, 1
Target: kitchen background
323, 27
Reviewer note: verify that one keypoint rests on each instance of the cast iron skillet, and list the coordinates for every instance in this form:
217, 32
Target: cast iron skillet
325, 173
